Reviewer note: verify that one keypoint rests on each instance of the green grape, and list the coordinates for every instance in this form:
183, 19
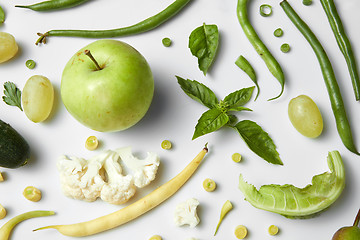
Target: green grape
37, 98
305, 116
8, 47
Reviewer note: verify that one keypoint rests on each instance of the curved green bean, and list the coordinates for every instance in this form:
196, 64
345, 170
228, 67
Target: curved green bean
52, 5
143, 26
337, 104
261, 49
343, 42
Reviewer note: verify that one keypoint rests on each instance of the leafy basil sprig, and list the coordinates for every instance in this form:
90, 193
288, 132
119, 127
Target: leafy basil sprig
203, 44
12, 95
220, 115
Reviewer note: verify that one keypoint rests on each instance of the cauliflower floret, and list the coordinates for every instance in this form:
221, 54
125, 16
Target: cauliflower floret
144, 170
185, 213
119, 188
82, 179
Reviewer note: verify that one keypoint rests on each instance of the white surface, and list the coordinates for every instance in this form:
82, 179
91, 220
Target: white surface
173, 116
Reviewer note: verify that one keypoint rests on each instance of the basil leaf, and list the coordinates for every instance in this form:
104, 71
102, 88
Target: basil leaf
258, 141
239, 108
198, 92
294, 202
12, 95
2, 15
203, 44
244, 65
239, 97
210, 121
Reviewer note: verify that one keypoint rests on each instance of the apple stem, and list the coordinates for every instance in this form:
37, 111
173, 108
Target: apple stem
88, 53
357, 219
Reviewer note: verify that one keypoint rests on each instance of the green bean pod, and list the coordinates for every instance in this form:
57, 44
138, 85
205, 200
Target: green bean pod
52, 5
343, 43
143, 26
337, 104
261, 49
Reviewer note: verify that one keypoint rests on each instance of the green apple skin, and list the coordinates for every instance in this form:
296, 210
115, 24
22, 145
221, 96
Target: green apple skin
113, 98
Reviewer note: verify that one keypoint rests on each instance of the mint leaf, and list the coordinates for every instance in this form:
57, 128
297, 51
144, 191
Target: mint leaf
239, 97
210, 121
12, 95
203, 44
258, 141
198, 92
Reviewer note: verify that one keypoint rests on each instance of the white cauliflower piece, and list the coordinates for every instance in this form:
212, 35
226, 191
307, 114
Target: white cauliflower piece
185, 213
79, 178
144, 170
119, 188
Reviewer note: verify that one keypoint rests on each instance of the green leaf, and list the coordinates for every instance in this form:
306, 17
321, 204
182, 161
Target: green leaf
293, 202
210, 121
2, 15
239, 97
12, 95
258, 141
203, 44
244, 65
198, 92
239, 108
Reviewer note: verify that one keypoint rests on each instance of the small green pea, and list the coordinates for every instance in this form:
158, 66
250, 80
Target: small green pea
307, 2
166, 144
278, 32
30, 64
166, 42
285, 48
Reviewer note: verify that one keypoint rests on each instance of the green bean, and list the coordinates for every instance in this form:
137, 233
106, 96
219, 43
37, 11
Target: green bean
343, 42
143, 26
244, 65
2, 15
261, 49
337, 105
52, 5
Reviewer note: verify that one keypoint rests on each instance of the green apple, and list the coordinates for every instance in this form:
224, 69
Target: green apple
110, 89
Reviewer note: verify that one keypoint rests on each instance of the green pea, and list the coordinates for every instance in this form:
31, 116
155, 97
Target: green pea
166, 42
278, 32
285, 48
30, 64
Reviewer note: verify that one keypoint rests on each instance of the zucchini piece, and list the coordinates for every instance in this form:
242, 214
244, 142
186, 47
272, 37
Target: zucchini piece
14, 150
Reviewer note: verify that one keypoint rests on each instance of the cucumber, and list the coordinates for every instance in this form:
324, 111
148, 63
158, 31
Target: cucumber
14, 150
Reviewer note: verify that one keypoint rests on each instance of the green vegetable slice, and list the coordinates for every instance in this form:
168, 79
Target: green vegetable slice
278, 32
265, 10
258, 141
203, 44
12, 95
285, 47
293, 202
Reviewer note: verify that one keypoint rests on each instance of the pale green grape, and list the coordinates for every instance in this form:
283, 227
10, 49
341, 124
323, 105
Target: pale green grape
305, 116
38, 98
8, 47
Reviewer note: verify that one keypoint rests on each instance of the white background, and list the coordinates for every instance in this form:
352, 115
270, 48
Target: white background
173, 115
